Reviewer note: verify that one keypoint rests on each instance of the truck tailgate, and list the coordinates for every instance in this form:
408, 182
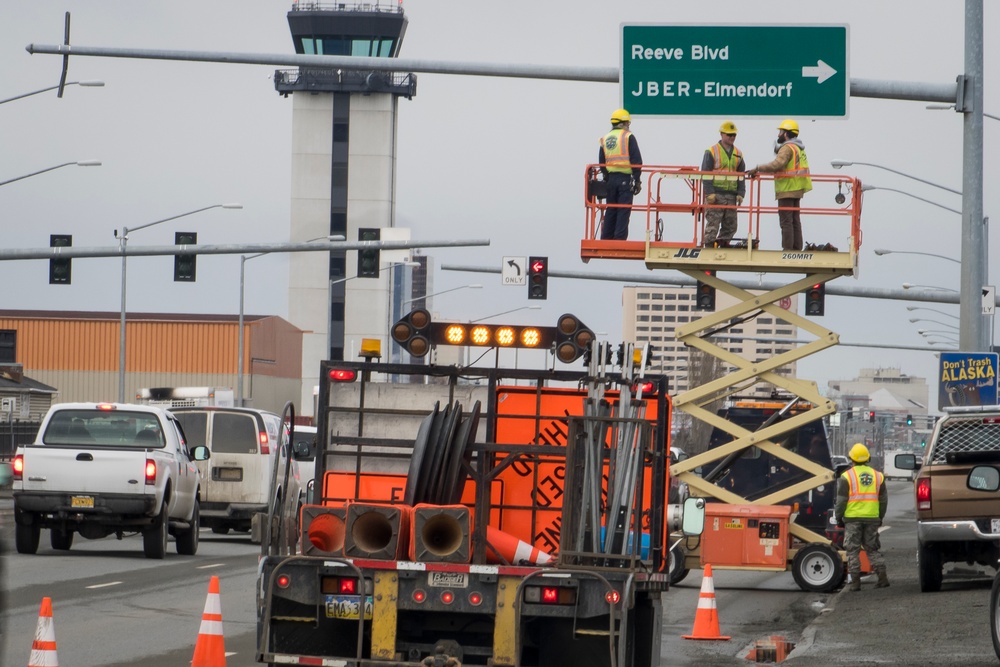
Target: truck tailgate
93, 470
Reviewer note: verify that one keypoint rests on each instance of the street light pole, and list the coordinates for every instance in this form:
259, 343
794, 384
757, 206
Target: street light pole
883, 251
79, 163
866, 187
122, 245
933, 310
82, 84
914, 320
837, 164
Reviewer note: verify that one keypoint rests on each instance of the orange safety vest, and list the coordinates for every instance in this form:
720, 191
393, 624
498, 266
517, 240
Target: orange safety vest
725, 162
616, 156
862, 501
795, 176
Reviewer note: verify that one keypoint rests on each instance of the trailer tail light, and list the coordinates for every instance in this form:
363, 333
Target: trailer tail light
283, 581
924, 493
447, 597
340, 586
265, 447
549, 595
347, 586
648, 388
342, 375
612, 597
150, 472
419, 596
18, 467
475, 599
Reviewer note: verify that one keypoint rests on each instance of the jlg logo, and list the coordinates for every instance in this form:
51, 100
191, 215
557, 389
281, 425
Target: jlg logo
691, 253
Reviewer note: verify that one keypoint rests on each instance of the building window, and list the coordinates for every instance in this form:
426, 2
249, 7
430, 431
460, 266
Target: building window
8, 346
337, 311
642, 295
642, 306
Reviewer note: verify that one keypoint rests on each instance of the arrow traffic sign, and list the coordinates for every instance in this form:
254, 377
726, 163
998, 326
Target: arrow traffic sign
513, 271
989, 299
727, 70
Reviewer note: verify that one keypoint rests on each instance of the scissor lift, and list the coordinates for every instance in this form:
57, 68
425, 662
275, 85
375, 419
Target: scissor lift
674, 209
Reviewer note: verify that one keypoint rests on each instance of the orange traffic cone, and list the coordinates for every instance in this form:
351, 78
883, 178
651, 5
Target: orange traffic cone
706, 619
43, 649
210, 650
513, 550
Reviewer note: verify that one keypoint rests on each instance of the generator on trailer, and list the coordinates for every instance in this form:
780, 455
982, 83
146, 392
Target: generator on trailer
469, 516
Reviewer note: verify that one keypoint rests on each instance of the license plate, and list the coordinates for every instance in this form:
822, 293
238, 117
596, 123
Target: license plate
995, 525
347, 606
448, 579
81, 501
227, 474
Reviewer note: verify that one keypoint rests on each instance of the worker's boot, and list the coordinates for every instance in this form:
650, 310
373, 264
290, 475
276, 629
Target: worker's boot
855, 581
883, 578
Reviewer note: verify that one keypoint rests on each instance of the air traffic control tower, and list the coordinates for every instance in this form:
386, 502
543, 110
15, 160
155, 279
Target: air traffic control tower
343, 175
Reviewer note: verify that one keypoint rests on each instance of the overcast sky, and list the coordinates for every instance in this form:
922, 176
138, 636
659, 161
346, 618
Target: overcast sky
177, 136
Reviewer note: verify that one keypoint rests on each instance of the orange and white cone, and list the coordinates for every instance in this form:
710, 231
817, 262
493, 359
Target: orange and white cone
706, 619
210, 650
43, 649
504, 546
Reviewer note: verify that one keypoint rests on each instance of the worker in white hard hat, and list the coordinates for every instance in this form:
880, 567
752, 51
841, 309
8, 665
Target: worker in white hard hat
791, 181
727, 189
862, 500
621, 165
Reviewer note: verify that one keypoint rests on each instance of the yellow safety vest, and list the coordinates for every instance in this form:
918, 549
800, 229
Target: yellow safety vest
615, 145
795, 175
725, 162
862, 501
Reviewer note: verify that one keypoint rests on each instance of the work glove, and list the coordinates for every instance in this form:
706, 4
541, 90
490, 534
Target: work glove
636, 186
739, 199
711, 199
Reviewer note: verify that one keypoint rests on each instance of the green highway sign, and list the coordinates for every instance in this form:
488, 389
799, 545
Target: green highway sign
730, 70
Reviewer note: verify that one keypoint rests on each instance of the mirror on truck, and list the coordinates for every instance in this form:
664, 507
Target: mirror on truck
693, 522
303, 451
200, 453
984, 478
905, 461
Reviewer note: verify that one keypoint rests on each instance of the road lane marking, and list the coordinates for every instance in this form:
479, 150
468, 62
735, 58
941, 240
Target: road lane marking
110, 583
207, 567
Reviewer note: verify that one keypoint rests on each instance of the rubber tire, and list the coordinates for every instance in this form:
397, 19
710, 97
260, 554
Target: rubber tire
995, 614
154, 538
818, 568
220, 530
61, 540
929, 568
187, 540
676, 570
26, 538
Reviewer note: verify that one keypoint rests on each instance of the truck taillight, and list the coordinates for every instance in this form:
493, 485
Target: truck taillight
150, 471
924, 493
18, 467
549, 595
348, 586
342, 375
265, 447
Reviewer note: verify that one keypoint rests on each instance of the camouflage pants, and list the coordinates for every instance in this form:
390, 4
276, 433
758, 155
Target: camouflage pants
724, 217
858, 535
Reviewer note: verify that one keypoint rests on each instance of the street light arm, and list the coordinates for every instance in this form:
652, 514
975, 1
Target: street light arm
87, 84
884, 251
952, 106
182, 215
865, 188
506, 312
914, 320
837, 164
79, 163
933, 310
428, 296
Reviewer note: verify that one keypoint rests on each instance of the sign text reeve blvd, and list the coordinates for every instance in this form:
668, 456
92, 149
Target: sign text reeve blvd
728, 70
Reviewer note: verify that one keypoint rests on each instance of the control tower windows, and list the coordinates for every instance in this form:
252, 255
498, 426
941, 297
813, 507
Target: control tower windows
378, 47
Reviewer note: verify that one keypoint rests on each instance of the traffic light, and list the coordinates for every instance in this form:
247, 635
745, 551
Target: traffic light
185, 265
368, 258
60, 268
573, 338
412, 332
816, 300
909, 420
705, 295
871, 415
538, 277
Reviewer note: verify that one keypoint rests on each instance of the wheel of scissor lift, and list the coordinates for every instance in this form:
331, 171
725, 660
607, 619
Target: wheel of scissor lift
818, 568
676, 570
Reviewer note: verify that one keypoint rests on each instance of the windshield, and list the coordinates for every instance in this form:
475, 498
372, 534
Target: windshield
103, 427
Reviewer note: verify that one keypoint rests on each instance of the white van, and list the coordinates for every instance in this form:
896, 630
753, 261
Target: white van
889, 468
235, 482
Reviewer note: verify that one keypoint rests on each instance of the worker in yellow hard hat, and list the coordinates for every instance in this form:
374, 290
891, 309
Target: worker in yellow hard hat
791, 181
862, 500
621, 165
728, 189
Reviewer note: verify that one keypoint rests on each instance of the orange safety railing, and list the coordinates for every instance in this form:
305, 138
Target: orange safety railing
672, 202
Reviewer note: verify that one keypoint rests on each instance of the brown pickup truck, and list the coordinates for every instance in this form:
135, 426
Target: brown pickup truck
958, 519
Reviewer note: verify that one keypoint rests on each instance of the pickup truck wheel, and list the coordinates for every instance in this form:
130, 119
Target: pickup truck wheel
995, 614
26, 538
817, 568
61, 540
154, 538
187, 540
220, 530
929, 568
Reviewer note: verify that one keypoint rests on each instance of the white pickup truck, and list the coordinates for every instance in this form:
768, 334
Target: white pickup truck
102, 469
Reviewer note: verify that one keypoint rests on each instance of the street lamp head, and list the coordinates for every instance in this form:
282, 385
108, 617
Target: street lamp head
882, 251
90, 84
232, 205
88, 163
837, 164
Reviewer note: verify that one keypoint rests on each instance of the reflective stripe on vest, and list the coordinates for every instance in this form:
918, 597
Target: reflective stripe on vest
862, 501
795, 175
615, 145
725, 162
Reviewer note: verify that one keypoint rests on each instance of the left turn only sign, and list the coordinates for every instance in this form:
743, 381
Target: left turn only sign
514, 271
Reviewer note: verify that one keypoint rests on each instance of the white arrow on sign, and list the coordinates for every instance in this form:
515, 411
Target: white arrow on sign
989, 299
512, 271
821, 72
